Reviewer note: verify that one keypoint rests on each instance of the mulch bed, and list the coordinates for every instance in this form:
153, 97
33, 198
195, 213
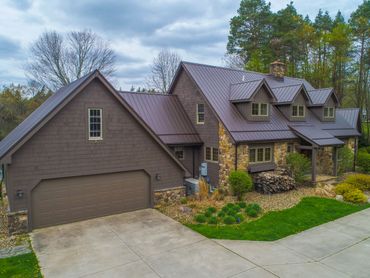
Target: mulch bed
273, 202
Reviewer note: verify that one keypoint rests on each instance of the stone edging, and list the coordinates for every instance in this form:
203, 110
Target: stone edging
14, 251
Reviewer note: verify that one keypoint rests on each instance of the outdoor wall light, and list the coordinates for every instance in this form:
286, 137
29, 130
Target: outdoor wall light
19, 194
158, 177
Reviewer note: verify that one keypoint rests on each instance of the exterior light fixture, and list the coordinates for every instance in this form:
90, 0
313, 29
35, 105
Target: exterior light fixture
19, 194
158, 177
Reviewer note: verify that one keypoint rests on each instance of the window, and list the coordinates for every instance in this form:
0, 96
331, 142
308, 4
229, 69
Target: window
179, 153
329, 112
260, 155
290, 148
211, 154
260, 109
298, 111
95, 124
200, 113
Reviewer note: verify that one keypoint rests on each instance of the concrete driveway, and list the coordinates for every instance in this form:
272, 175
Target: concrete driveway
148, 244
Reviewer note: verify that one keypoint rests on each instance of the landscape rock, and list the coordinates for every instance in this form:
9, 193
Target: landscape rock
185, 209
274, 181
339, 197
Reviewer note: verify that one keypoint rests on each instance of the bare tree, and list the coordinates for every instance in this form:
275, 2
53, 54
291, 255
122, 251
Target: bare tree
163, 70
57, 60
234, 61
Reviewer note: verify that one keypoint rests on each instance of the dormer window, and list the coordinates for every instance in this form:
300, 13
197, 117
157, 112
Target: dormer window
298, 111
329, 112
259, 109
200, 113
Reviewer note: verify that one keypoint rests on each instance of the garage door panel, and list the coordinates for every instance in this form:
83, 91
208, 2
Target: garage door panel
72, 199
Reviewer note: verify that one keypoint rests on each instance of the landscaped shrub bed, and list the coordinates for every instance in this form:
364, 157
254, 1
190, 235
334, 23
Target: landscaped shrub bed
310, 212
353, 188
231, 213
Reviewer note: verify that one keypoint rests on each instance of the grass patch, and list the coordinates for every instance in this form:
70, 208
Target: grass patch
310, 212
21, 266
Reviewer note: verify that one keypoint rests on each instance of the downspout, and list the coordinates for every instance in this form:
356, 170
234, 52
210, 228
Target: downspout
236, 157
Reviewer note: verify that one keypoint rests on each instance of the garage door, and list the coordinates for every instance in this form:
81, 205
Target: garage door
67, 200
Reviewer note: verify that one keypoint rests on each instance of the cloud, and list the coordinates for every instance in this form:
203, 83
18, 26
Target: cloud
136, 30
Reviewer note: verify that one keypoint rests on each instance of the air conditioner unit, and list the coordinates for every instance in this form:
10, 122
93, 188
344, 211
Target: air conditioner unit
192, 186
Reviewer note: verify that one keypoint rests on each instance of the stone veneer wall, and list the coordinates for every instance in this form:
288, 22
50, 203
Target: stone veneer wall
243, 157
169, 196
226, 156
324, 161
280, 152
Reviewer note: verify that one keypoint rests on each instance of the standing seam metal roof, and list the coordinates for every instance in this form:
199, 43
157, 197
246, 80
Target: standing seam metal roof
165, 115
214, 82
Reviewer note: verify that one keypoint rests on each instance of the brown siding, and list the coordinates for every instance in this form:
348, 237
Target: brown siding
61, 148
246, 108
189, 96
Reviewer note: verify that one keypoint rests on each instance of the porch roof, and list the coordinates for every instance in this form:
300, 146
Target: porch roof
315, 135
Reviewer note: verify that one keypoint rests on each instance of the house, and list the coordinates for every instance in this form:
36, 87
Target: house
90, 150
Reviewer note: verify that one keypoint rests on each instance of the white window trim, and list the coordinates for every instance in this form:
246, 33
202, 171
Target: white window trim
101, 124
260, 109
298, 116
205, 154
197, 113
329, 117
264, 150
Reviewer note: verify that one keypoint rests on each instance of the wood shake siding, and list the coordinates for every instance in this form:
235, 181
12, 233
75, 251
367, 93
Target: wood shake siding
189, 97
61, 148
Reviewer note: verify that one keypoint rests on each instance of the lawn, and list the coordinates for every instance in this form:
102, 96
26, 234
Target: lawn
22, 266
310, 212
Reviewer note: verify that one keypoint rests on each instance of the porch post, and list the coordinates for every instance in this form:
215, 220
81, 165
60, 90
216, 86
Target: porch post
335, 161
313, 165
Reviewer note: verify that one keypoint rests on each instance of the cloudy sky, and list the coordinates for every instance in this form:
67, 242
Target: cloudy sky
136, 30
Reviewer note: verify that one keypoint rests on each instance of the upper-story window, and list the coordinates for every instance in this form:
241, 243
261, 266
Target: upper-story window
95, 123
200, 113
260, 109
298, 111
329, 112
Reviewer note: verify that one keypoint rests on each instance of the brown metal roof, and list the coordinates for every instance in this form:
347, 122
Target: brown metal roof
287, 94
315, 136
165, 115
320, 96
245, 90
215, 82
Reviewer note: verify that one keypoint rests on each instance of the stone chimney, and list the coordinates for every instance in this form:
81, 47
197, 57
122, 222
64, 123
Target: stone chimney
277, 69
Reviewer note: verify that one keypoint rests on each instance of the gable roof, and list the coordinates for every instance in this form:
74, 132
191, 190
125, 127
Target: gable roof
39, 114
165, 115
287, 94
56, 102
244, 91
214, 84
320, 96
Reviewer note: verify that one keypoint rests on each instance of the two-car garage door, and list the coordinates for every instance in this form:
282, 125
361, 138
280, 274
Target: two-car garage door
67, 200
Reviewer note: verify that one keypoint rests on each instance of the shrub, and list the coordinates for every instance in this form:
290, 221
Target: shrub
183, 200
207, 214
355, 196
221, 214
299, 165
212, 220
343, 188
252, 212
345, 160
225, 209
242, 204
229, 220
360, 181
230, 205
255, 207
239, 218
203, 189
363, 161
200, 218
211, 209
240, 183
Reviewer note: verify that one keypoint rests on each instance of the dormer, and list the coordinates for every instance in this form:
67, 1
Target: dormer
324, 104
252, 99
292, 101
